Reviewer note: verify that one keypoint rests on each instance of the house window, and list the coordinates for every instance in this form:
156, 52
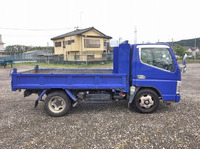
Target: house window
57, 44
90, 43
90, 56
63, 44
105, 45
69, 42
76, 57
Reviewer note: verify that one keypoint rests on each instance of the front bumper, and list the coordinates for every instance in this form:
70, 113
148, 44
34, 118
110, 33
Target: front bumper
172, 98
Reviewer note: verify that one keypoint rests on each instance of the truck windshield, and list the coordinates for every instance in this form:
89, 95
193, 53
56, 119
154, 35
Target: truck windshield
158, 57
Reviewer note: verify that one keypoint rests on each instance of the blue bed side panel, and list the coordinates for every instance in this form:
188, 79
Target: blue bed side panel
70, 81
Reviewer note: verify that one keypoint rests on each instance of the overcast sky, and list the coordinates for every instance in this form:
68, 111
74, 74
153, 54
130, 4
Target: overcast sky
34, 22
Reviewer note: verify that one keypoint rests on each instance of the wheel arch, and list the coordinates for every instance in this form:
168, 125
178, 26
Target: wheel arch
66, 91
151, 88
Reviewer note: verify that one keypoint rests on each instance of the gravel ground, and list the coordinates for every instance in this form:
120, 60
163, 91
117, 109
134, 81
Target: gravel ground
100, 126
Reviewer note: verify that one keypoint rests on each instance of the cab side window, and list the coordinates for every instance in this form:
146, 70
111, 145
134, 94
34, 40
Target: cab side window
158, 57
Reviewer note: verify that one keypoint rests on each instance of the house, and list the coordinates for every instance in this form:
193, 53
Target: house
1, 46
193, 51
82, 44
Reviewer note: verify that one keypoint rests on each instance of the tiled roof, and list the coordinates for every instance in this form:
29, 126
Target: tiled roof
79, 32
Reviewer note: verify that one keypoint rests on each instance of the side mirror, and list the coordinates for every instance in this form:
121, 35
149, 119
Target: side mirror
184, 63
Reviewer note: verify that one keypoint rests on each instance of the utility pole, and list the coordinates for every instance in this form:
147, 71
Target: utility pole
195, 45
120, 38
172, 44
135, 35
86, 48
81, 19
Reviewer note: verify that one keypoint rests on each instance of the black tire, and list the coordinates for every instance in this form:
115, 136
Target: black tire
146, 101
51, 104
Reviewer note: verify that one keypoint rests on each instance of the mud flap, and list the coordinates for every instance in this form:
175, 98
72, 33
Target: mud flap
36, 102
133, 91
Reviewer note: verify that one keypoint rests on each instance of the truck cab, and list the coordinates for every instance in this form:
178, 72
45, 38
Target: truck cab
153, 74
155, 69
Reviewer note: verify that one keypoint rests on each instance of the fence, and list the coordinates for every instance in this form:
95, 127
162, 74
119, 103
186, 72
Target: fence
55, 59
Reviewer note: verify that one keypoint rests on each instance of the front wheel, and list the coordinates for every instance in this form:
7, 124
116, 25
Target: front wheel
57, 104
146, 101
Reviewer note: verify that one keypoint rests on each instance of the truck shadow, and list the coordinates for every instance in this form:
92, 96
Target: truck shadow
92, 107
119, 106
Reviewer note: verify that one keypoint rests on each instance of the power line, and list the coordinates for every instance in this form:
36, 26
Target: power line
22, 29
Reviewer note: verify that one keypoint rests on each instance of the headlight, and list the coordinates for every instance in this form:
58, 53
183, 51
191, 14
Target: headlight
178, 87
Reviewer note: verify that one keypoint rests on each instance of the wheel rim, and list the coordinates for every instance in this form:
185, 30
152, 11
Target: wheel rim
57, 104
146, 101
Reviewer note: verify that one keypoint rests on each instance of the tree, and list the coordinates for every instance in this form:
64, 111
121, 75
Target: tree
179, 50
19, 49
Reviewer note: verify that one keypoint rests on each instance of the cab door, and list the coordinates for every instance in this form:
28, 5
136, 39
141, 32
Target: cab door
157, 68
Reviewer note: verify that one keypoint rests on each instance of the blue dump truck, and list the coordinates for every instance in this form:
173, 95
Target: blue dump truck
142, 74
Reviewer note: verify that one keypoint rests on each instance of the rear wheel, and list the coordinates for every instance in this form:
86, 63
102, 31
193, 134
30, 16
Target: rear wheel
146, 101
57, 103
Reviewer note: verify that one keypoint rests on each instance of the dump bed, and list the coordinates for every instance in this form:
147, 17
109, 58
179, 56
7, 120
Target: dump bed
117, 79
69, 79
